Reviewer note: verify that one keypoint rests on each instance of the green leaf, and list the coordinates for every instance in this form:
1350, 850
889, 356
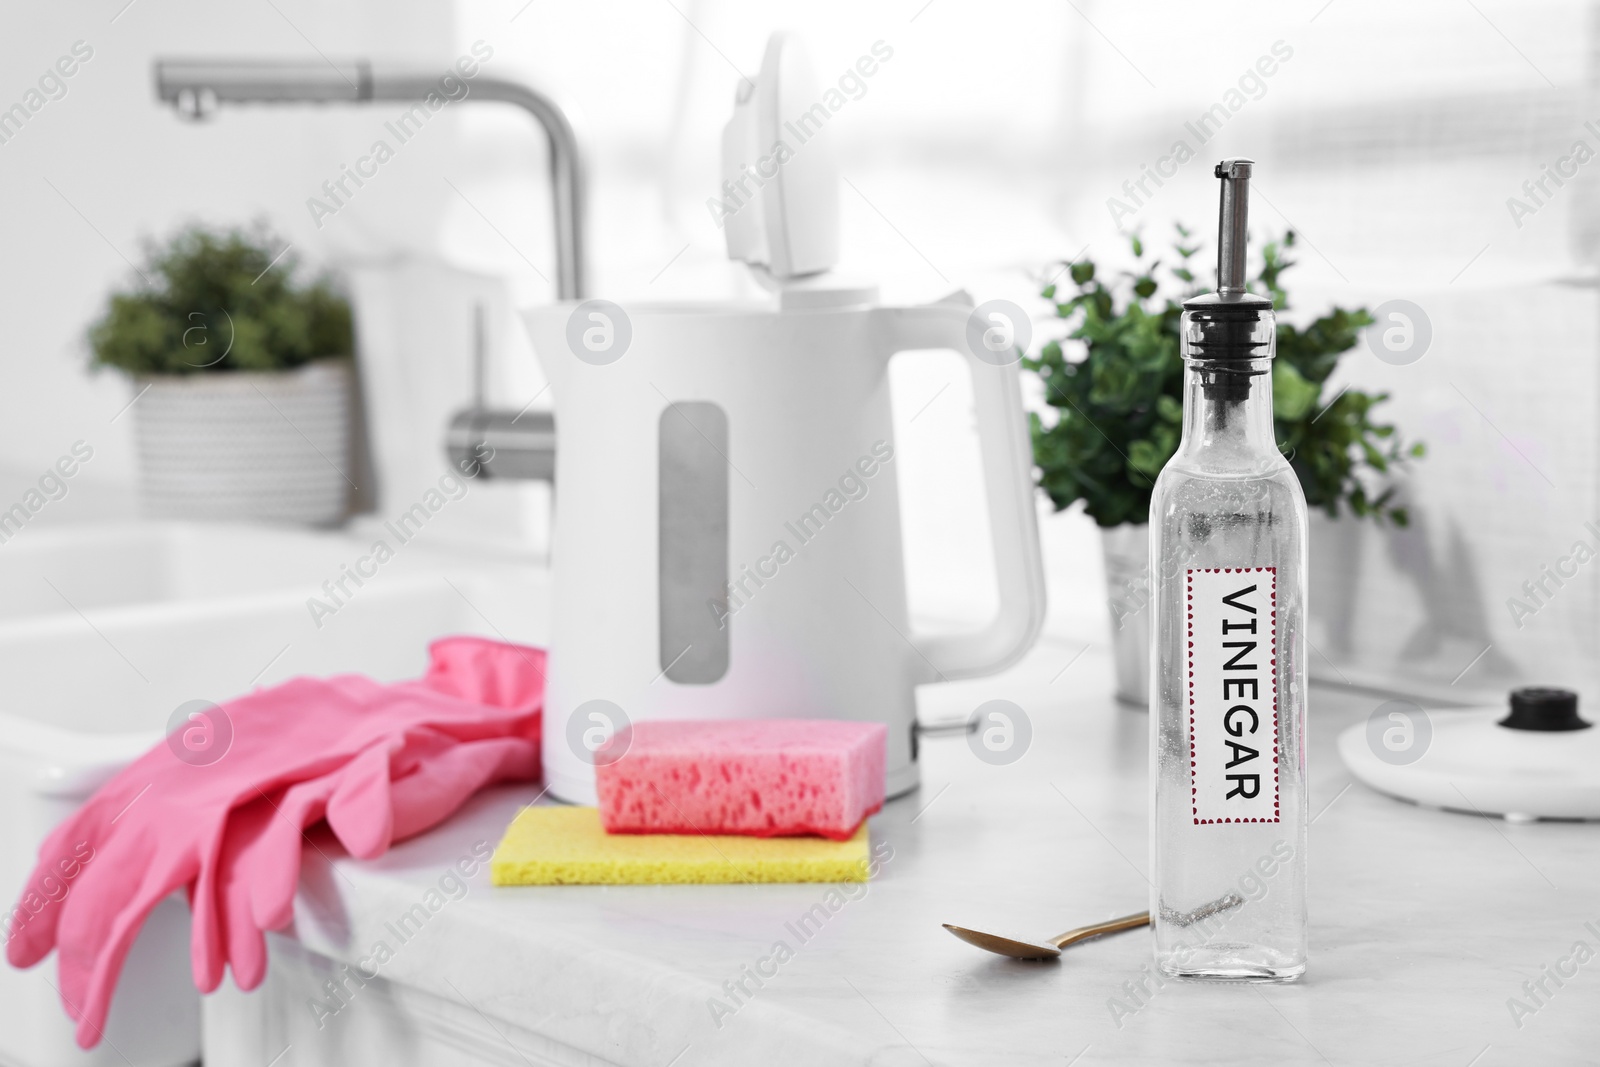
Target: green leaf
1146, 458
1292, 396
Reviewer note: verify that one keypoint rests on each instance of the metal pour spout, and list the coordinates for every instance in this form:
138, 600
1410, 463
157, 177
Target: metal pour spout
1233, 225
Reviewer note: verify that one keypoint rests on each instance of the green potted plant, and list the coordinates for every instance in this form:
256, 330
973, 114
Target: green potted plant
1115, 391
242, 378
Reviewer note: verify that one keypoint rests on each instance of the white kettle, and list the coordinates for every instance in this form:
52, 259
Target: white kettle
727, 535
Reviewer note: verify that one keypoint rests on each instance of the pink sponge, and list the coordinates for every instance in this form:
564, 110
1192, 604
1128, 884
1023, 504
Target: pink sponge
762, 778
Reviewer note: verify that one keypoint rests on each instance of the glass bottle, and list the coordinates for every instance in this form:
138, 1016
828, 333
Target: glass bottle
1228, 685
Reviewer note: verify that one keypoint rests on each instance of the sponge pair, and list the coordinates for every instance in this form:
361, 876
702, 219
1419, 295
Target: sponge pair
689, 801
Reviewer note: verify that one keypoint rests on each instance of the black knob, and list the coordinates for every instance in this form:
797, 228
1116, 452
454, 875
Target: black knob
1543, 708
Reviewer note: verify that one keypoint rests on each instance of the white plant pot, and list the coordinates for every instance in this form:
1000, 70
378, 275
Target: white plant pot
1128, 597
247, 446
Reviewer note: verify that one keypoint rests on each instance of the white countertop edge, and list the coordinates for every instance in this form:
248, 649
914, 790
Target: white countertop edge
557, 985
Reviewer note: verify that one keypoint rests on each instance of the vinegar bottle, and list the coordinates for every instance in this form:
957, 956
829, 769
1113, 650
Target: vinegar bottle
1228, 686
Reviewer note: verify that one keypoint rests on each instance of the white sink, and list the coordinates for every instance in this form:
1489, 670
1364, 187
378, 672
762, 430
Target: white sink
105, 632
104, 565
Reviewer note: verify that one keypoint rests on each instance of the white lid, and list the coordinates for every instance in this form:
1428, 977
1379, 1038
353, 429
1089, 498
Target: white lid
780, 193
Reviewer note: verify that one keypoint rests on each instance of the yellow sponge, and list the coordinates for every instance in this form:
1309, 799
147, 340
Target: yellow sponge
568, 846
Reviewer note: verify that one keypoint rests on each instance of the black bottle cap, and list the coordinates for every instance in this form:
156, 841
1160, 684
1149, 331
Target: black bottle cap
1542, 708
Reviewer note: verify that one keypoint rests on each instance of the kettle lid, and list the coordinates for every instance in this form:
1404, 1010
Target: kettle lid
780, 205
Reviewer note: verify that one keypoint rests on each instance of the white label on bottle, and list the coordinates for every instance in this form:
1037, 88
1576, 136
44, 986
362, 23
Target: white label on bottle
1233, 693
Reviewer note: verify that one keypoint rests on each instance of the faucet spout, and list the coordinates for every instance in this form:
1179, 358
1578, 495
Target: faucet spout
197, 88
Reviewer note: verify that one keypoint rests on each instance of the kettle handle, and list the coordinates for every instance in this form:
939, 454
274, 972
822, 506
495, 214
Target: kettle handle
1008, 487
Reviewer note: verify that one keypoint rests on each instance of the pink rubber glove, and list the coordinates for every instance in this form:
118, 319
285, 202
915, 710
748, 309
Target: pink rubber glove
160, 824
394, 790
487, 672
258, 871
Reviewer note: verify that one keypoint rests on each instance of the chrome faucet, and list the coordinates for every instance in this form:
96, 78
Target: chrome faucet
522, 443
196, 88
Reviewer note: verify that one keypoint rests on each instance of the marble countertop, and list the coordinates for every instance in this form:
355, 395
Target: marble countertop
1424, 924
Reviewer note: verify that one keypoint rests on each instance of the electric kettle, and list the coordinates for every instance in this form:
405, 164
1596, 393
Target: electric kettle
727, 538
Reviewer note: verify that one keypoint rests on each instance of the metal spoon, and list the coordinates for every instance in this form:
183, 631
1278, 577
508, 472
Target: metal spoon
1026, 950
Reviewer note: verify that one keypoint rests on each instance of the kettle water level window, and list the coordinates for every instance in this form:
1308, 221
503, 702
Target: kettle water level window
693, 488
